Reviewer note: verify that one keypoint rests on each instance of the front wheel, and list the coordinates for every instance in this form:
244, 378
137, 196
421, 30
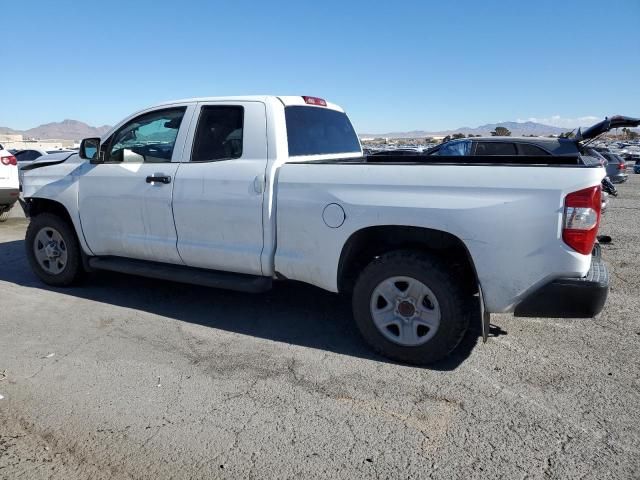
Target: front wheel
53, 250
410, 307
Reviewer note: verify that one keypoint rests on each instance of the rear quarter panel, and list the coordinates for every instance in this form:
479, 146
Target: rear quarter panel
508, 217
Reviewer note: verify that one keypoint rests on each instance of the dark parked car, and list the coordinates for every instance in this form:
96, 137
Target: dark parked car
636, 167
538, 146
544, 147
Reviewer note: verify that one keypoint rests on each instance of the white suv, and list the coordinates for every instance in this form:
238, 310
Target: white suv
9, 188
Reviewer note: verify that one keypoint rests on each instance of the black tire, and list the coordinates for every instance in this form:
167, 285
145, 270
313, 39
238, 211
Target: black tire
4, 215
73, 270
449, 292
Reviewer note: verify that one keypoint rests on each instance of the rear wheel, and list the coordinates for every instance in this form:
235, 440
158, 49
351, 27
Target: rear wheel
4, 215
410, 307
53, 250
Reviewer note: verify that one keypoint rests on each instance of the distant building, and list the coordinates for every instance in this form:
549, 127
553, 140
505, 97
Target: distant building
18, 142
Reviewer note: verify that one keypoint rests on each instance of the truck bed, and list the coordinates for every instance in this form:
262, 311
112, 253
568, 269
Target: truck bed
508, 216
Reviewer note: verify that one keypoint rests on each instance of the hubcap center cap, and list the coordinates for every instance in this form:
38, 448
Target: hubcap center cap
51, 250
406, 309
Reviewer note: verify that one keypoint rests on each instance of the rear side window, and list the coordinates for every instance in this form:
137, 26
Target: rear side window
528, 149
319, 131
27, 155
219, 134
613, 158
495, 148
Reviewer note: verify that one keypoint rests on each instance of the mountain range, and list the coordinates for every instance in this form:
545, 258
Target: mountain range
516, 128
76, 130
64, 130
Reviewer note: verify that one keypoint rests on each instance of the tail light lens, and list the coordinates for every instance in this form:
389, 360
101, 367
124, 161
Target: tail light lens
10, 160
321, 102
622, 166
582, 218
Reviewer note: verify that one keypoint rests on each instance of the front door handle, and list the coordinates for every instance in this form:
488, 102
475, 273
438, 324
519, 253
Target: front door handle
159, 179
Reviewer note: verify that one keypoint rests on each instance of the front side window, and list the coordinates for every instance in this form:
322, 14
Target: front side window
319, 131
149, 138
496, 148
460, 148
219, 134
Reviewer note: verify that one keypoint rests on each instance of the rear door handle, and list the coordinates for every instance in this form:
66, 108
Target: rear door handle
159, 179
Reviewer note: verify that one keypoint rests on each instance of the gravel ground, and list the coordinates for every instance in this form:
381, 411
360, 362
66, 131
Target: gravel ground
131, 378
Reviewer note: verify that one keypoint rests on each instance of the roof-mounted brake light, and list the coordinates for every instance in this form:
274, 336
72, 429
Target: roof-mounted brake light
320, 102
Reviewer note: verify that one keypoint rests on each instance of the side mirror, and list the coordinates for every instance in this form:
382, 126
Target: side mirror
89, 148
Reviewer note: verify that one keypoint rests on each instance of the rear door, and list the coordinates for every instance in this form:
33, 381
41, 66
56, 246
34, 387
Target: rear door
218, 192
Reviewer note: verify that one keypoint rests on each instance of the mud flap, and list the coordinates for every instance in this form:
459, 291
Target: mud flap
485, 317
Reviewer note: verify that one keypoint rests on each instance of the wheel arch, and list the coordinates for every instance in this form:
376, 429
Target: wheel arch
34, 206
366, 244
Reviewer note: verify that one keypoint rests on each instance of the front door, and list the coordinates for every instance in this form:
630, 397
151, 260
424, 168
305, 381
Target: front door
125, 201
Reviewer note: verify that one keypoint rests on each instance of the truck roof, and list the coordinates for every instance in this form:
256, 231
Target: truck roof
286, 100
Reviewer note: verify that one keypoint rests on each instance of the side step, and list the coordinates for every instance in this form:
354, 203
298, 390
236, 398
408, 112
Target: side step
183, 274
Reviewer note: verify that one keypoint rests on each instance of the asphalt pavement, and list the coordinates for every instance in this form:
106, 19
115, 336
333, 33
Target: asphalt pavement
124, 377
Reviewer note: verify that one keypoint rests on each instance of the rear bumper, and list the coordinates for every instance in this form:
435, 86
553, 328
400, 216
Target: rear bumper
8, 196
570, 297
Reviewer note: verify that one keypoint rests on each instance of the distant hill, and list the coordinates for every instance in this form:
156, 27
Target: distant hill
65, 130
516, 128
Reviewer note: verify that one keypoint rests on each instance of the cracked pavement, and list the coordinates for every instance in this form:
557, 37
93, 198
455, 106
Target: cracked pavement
154, 379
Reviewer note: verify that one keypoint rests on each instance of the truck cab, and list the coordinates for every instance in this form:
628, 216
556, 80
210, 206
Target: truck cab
191, 182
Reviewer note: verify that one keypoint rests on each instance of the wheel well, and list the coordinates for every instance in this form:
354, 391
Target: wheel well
365, 245
36, 206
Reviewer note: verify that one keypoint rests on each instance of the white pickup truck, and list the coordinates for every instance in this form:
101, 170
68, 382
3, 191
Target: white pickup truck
241, 192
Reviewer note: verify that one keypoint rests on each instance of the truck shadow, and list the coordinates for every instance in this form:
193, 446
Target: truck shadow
292, 312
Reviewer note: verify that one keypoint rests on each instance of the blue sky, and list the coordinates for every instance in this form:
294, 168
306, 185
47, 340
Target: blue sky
397, 66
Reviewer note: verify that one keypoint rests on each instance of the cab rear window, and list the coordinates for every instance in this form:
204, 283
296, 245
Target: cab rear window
319, 131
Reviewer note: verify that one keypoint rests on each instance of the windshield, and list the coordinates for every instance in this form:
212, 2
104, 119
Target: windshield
319, 131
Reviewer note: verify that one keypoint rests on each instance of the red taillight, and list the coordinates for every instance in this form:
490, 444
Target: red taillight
315, 101
10, 160
581, 219
622, 166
